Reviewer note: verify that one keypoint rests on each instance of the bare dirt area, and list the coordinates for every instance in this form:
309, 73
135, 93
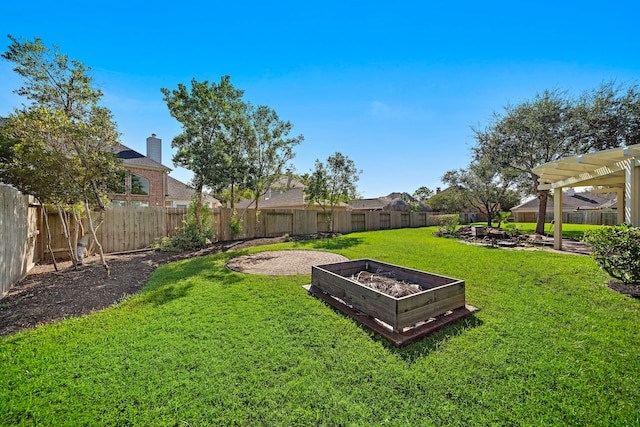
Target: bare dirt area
283, 263
46, 295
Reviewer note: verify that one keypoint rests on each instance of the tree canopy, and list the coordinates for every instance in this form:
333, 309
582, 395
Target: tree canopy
57, 146
330, 183
485, 186
552, 126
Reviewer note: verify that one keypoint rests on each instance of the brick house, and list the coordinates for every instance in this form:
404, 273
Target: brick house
147, 181
146, 177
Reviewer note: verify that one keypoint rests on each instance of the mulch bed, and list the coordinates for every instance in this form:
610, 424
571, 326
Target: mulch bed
46, 295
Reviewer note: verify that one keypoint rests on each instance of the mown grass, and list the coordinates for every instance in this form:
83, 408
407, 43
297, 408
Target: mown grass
202, 345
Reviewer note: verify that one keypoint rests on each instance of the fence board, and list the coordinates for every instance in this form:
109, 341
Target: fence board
18, 236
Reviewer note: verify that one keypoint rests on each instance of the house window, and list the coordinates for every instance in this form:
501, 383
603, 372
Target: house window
118, 203
181, 205
120, 183
139, 185
139, 204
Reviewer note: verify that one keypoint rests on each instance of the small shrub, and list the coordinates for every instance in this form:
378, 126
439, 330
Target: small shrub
190, 237
512, 230
617, 251
448, 224
235, 225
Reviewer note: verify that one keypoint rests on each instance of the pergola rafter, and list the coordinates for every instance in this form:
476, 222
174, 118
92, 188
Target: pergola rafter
618, 168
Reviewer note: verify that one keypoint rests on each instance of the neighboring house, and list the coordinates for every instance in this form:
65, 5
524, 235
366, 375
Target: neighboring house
286, 193
571, 202
147, 181
179, 195
146, 177
392, 202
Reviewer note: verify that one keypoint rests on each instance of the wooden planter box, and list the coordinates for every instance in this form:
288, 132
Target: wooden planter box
440, 294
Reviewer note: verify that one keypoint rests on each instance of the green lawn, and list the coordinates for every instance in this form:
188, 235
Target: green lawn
202, 345
571, 231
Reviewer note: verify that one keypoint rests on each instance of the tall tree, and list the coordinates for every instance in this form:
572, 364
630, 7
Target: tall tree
270, 149
212, 116
552, 126
63, 120
331, 183
423, 193
485, 187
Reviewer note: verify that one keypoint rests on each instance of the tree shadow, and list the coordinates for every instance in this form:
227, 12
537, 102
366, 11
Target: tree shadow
333, 243
173, 283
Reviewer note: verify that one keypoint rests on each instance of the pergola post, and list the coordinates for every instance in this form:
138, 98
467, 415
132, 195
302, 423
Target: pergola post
557, 218
631, 193
621, 204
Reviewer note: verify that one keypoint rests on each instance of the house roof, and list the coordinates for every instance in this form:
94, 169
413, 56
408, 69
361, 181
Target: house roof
178, 190
578, 201
133, 158
278, 198
370, 204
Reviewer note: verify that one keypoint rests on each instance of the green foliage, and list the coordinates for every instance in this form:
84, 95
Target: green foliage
512, 230
485, 186
423, 193
235, 224
617, 251
56, 148
269, 150
448, 223
191, 236
552, 126
330, 183
203, 345
450, 200
501, 217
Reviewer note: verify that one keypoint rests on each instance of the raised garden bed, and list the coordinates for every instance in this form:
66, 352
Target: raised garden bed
365, 289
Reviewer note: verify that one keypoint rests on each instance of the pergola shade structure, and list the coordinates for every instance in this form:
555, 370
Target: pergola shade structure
616, 170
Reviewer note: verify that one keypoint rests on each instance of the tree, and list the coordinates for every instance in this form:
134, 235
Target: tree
552, 126
423, 193
485, 187
449, 200
330, 183
213, 124
270, 149
62, 137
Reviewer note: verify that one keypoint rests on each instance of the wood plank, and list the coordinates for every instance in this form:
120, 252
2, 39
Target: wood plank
399, 339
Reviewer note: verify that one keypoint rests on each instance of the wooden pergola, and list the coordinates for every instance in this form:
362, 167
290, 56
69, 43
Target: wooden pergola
616, 170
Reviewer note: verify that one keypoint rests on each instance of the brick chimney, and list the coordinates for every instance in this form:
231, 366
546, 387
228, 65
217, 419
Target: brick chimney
154, 148
438, 190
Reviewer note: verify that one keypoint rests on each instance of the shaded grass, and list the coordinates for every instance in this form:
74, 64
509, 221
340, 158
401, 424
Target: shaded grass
202, 345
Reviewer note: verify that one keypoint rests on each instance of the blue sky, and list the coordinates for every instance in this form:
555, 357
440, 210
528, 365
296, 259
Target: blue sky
395, 86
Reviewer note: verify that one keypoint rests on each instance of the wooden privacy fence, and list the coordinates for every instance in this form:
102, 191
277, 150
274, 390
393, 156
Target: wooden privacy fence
574, 217
18, 236
122, 229
131, 228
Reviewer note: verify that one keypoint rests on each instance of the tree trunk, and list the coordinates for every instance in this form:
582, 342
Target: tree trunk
46, 225
199, 208
543, 195
67, 236
95, 239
